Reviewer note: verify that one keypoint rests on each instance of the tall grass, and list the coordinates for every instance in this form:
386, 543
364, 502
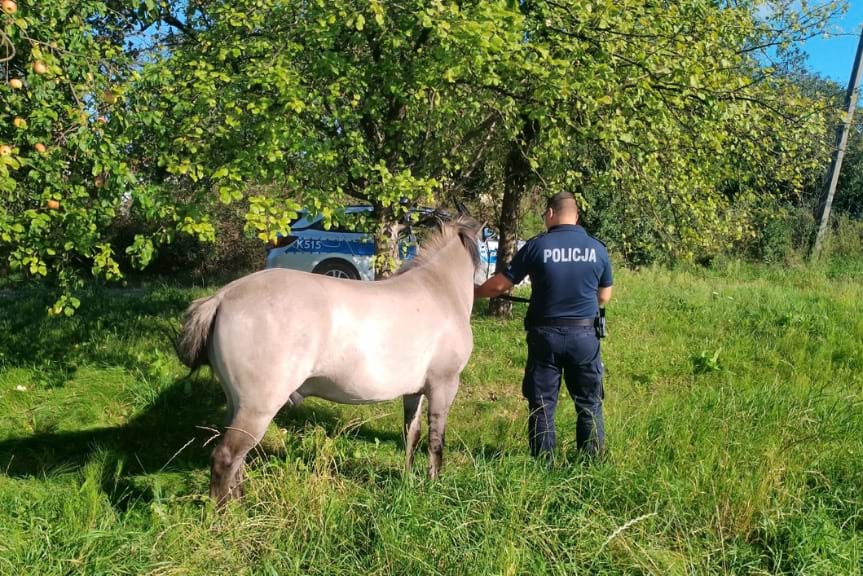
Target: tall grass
734, 415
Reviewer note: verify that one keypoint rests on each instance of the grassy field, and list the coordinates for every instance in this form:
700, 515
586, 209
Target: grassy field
734, 412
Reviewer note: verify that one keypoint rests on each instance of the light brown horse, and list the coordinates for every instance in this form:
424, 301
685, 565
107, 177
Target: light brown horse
277, 336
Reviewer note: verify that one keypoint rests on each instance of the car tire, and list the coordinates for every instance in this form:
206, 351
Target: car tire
337, 269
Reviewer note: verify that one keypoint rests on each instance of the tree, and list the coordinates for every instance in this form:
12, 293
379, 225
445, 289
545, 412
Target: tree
669, 117
364, 100
64, 172
677, 120
849, 199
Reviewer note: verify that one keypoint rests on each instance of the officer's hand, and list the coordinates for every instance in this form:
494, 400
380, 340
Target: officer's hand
494, 286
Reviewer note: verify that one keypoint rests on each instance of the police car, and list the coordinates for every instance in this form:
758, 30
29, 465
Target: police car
344, 252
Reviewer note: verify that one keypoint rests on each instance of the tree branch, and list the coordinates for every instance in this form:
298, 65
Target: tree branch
171, 20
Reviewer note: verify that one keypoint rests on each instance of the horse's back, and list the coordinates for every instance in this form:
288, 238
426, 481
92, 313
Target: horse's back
343, 340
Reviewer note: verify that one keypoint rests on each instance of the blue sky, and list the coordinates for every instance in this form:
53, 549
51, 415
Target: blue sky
833, 57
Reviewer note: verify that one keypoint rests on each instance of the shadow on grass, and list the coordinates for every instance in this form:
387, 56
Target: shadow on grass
483, 310
103, 331
146, 444
298, 418
176, 433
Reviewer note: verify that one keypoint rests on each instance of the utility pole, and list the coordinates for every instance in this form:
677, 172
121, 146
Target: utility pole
839, 153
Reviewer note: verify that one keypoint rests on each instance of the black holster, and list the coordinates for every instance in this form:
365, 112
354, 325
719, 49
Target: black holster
599, 324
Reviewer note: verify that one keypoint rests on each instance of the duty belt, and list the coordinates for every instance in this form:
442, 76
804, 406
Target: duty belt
598, 322
562, 322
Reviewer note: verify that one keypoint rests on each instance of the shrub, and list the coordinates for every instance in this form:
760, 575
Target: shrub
234, 252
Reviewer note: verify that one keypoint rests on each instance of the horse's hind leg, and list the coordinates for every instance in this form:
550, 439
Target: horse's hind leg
245, 431
413, 404
440, 394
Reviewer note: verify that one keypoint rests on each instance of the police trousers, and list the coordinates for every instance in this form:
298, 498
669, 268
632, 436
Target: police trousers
573, 353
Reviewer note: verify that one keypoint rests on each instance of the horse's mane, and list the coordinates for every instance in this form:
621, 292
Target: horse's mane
462, 227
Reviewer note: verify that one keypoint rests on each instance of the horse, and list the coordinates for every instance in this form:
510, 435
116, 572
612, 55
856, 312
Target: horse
277, 336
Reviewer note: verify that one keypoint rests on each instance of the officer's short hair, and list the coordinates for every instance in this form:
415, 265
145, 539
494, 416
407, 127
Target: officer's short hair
561, 202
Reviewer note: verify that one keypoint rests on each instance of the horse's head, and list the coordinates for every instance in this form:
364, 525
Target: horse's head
450, 256
468, 230
451, 245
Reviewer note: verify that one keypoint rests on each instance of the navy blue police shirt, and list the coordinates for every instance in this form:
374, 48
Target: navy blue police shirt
567, 266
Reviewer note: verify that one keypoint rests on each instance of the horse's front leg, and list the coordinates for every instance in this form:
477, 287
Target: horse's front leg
440, 394
412, 405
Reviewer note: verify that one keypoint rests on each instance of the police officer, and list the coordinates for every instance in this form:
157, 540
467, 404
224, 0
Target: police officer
570, 276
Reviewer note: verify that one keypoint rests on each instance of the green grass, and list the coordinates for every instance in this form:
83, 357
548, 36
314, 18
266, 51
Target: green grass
734, 413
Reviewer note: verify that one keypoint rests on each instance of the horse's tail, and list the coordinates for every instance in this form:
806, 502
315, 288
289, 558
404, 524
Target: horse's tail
197, 327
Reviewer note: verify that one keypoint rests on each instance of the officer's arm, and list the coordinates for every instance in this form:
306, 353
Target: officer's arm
603, 295
493, 287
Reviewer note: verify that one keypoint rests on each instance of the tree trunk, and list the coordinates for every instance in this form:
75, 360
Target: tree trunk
387, 258
517, 179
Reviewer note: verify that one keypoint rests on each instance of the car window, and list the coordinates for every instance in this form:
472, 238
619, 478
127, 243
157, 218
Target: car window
351, 222
316, 225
